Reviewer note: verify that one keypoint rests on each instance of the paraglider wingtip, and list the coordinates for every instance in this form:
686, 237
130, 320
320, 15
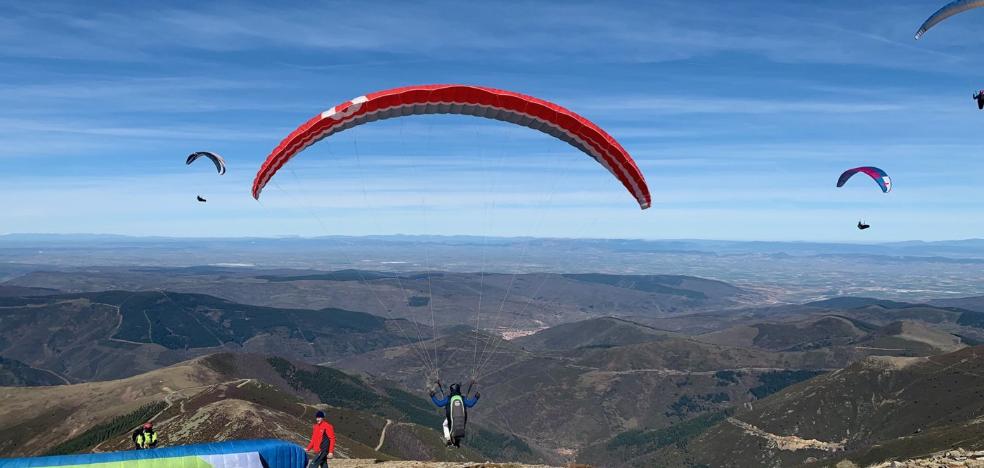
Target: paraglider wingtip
644, 205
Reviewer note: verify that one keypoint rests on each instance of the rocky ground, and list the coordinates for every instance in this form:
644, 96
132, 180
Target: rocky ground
949, 459
369, 463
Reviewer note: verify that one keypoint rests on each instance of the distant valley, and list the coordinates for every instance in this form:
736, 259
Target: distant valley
786, 271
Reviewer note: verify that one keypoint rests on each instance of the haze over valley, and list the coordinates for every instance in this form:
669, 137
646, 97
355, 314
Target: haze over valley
782, 271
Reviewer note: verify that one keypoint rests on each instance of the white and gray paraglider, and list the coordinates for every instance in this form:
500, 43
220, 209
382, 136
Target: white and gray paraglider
216, 159
948, 10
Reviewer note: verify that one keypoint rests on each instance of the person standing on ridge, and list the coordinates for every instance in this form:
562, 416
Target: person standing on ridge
145, 437
323, 440
455, 411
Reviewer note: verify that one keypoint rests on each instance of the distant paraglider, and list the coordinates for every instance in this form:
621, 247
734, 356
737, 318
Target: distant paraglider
948, 10
879, 176
216, 159
979, 96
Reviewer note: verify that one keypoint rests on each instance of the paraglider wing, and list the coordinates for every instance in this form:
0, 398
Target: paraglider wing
477, 101
948, 10
216, 159
265, 453
880, 177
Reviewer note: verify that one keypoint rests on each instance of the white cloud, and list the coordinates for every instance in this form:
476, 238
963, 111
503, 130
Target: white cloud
515, 31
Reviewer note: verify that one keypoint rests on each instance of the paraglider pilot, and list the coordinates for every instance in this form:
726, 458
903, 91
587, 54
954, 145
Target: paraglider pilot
323, 440
980, 99
455, 410
145, 437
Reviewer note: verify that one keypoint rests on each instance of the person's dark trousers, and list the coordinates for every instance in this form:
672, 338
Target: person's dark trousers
320, 461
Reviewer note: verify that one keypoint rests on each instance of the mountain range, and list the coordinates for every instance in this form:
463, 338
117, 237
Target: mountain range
610, 370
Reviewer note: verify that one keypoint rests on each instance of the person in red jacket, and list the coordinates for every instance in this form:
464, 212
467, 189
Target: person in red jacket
322, 440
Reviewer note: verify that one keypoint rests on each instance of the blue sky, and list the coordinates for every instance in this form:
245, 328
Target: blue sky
740, 114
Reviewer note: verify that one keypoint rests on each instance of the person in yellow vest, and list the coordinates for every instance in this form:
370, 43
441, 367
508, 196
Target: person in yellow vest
145, 437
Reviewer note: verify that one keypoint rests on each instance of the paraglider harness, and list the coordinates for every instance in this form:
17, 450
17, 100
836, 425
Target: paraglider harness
456, 413
862, 226
979, 96
457, 418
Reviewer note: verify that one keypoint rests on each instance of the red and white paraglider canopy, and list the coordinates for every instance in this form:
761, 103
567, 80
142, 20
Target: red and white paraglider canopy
490, 103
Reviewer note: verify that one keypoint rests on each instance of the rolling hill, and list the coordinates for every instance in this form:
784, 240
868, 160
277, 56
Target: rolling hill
562, 388
838, 332
600, 332
876, 410
107, 335
521, 301
235, 396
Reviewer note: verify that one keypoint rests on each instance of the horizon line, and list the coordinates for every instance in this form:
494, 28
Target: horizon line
450, 236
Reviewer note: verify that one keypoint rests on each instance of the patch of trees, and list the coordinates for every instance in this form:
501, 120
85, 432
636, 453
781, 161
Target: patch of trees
636, 443
772, 382
114, 428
